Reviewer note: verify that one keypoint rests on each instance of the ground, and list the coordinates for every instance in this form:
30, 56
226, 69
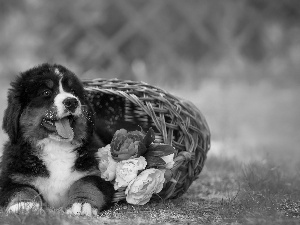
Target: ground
226, 192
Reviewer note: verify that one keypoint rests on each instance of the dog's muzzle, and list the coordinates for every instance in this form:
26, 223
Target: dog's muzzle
70, 104
61, 118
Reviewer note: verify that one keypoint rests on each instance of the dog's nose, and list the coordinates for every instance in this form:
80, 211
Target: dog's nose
70, 104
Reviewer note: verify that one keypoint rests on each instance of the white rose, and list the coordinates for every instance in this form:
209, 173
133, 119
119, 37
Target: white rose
141, 189
107, 165
127, 170
169, 159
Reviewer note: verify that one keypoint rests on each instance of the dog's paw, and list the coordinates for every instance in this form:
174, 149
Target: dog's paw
24, 207
83, 209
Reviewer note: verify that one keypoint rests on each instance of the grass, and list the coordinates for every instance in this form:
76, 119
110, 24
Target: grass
227, 192
268, 195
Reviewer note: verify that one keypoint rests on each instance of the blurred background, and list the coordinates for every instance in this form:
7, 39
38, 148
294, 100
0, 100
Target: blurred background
237, 60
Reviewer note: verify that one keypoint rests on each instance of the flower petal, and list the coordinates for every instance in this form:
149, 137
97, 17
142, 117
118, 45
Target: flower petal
141, 189
127, 170
169, 159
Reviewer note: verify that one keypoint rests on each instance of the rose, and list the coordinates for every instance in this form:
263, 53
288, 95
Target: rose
141, 189
107, 165
126, 145
127, 170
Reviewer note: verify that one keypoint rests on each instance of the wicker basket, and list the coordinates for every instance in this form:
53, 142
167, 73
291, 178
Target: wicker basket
132, 105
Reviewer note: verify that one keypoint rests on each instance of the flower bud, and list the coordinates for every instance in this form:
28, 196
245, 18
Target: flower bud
127, 145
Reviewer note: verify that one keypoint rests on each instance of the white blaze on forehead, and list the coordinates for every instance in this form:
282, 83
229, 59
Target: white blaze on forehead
57, 72
58, 102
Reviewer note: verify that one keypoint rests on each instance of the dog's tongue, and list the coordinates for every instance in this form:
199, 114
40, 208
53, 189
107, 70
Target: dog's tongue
64, 129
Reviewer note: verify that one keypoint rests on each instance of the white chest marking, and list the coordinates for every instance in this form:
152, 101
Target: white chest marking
59, 160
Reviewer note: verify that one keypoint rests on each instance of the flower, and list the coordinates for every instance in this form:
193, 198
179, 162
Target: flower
141, 189
127, 145
169, 161
107, 165
127, 170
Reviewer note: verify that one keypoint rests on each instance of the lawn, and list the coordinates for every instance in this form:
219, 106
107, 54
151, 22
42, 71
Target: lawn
227, 192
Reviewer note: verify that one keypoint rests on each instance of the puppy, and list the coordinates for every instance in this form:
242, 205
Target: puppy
49, 159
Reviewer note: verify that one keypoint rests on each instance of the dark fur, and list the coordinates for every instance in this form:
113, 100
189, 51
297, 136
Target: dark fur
21, 163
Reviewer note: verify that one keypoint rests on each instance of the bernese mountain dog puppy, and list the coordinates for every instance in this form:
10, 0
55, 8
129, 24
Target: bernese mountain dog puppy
49, 159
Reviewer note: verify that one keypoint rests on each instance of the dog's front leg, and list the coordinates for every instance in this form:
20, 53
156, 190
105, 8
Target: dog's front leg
89, 195
23, 199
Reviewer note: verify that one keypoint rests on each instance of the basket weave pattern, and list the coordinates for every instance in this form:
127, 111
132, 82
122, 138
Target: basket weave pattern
134, 105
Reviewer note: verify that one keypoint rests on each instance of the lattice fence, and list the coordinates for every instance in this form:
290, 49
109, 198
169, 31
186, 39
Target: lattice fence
157, 41
137, 39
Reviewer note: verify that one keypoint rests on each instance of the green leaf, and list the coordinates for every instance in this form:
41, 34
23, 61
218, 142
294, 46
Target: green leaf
160, 150
149, 138
153, 161
168, 175
142, 149
155, 153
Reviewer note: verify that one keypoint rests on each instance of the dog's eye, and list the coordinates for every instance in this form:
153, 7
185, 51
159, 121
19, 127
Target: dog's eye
46, 93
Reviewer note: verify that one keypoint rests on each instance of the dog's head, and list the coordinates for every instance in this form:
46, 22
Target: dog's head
47, 102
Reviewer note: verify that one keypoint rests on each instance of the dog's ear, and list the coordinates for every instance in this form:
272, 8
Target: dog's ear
11, 117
